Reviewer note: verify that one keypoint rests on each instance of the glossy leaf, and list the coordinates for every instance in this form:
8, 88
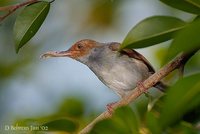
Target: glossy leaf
191, 6
186, 41
61, 125
180, 99
28, 22
152, 31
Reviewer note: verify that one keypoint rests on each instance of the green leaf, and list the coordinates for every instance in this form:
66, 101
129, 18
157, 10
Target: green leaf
191, 6
186, 40
186, 128
152, 123
28, 22
61, 125
107, 127
126, 118
124, 121
196, 18
72, 108
180, 99
152, 31
194, 2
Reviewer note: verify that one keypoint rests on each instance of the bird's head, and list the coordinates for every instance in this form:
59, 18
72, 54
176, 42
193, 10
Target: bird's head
78, 51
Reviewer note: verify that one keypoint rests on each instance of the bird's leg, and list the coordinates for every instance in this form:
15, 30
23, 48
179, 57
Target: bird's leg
141, 86
109, 107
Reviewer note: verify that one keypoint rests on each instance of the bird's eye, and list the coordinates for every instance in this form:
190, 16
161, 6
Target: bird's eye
79, 46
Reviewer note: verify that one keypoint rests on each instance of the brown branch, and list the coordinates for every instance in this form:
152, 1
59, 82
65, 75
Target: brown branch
13, 8
148, 83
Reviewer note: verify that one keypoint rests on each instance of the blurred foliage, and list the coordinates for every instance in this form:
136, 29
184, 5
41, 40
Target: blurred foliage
8, 69
60, 125
187, 90
66, 119
6, 2
119, 123
191, 6
178, 111
103, 12
186, 41
72, 108
13, 65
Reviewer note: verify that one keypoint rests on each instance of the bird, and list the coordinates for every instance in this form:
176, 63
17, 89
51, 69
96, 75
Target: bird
119, 69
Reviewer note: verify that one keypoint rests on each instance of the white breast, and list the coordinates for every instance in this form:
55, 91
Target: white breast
120, 73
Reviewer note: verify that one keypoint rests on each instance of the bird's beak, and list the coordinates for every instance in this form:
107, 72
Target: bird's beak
67, 53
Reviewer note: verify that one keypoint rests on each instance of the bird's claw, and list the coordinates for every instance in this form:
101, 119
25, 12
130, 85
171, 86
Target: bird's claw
109, 107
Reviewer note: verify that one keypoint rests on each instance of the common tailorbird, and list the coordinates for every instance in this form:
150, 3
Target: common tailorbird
120, 70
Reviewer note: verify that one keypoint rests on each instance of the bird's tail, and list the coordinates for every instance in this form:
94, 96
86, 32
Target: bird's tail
161, 86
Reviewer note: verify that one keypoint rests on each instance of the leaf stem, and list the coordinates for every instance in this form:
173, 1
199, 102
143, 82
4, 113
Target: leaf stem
52, 1
13, 8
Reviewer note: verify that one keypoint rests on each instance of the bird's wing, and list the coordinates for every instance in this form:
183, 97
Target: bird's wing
133, 54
